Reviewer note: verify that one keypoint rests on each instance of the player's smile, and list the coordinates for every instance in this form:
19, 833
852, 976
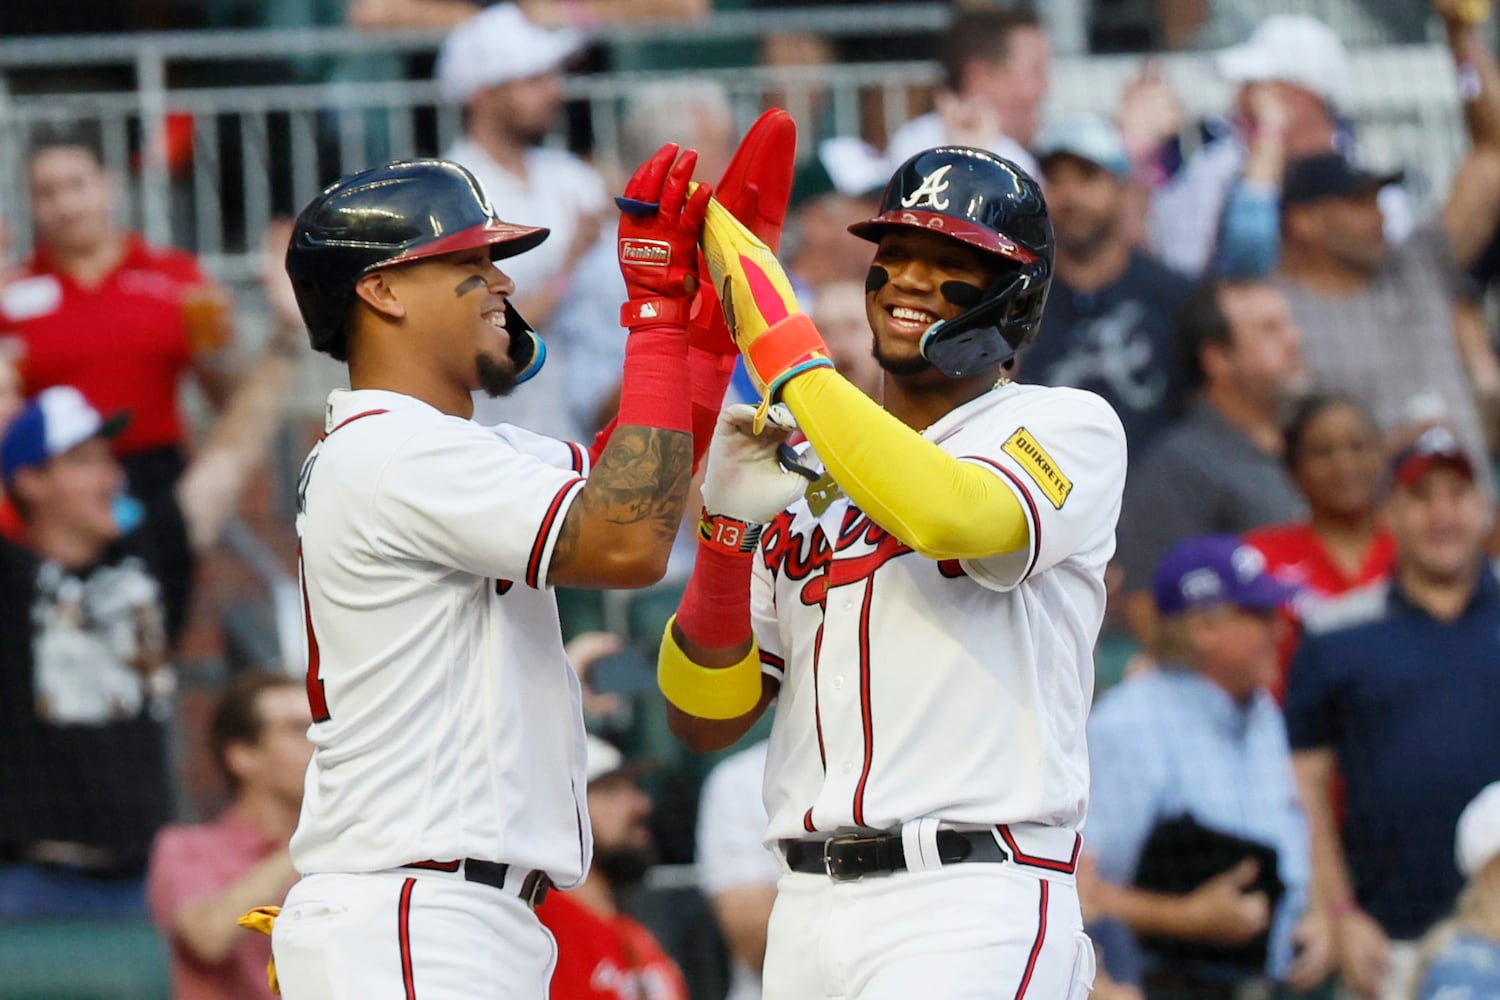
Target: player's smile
494, 318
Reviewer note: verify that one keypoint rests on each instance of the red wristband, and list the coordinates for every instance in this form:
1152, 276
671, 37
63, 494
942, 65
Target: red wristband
728, 535
651, 387
708, 378
715, 608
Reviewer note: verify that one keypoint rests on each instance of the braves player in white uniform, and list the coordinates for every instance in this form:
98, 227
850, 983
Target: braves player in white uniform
446, 791
922, 614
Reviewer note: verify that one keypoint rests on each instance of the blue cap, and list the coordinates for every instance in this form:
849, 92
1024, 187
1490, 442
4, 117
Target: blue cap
56, 420
1206, 570
1088, 138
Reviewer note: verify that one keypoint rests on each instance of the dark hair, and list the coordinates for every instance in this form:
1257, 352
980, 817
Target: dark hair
69, 135
982, 35
1200, 321
237, 718
1310, 408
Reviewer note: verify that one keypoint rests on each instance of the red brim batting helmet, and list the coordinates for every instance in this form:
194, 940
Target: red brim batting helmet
394, 214
989, 203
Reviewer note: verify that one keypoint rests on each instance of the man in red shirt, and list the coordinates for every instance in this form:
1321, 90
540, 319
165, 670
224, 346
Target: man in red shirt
97, 308
203, 876
601, 953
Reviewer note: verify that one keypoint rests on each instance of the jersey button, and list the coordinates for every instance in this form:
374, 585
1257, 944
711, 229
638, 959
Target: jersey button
848, 605
838, 681
847, 766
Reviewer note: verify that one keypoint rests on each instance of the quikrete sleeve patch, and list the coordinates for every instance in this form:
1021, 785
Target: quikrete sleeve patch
1037, 464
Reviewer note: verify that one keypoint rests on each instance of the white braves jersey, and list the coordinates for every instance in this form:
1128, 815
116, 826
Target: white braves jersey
953, 690
448, 723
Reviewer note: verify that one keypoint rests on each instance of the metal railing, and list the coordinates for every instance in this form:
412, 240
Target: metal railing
255, 149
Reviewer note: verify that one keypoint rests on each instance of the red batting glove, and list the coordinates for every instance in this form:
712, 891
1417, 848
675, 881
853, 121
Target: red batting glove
660, 223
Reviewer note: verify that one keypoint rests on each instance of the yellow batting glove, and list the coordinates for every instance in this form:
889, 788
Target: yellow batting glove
261, 920
777, 340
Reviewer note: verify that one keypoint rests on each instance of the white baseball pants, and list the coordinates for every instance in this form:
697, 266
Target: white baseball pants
418, 936
960, 932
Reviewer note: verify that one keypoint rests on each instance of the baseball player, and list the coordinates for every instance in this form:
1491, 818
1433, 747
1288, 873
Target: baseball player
446, 789
923, 612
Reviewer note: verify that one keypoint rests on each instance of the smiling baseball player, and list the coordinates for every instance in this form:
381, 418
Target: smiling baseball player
446, 789
923, 614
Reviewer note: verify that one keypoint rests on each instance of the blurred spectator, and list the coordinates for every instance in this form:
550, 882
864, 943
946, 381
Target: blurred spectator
1218, 469
1461, 957
694, 113
1380, 316
96, 308
383, 14
507, 74
1394, 688
203, 876
1334, 455
838, 310
996, 62
781, 48
1201, 742
1108, 319
86, 629
163, 315
837, 187
1218, 211
601, 952
11, 400
736, 870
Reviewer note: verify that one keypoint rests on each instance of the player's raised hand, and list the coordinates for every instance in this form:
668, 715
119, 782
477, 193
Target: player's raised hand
756, 188
662, 213
743, 478
777, 339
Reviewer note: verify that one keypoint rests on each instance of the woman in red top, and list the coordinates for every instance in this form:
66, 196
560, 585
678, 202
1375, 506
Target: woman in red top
1334, 455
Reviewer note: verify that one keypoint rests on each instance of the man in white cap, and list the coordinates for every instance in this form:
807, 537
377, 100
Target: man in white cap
506, 72
1463, 952
1219, 211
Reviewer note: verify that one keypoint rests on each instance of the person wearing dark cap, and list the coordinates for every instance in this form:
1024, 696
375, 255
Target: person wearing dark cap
1395, 687
1379, 317
1109, 317
1200, 742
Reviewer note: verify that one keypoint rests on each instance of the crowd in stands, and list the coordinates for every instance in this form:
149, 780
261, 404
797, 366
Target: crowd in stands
1295, 782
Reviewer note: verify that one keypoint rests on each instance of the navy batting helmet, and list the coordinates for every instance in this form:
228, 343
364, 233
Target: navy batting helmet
991, 204
393, 214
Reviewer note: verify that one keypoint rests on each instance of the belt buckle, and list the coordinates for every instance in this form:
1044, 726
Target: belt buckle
828, 868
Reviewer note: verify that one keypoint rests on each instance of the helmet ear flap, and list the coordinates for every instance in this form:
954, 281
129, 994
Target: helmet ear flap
993, 331
527, 350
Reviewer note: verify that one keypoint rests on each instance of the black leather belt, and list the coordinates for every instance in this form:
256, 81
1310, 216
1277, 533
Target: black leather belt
852, 856
534, 887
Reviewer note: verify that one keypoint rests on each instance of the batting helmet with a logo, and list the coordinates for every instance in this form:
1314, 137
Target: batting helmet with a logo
988, 203
394, 214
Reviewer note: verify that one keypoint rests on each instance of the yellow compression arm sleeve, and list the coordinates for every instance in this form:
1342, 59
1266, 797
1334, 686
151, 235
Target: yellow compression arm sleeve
941, 507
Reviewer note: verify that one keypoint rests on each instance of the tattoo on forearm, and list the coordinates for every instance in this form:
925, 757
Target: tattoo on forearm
642, 476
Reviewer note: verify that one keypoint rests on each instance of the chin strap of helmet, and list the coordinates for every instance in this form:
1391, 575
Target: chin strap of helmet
527, 350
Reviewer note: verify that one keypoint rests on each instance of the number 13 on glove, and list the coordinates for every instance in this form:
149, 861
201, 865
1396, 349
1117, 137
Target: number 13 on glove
777, 340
